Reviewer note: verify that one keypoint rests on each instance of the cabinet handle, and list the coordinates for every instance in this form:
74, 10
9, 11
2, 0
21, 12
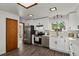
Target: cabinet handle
64, 40
55, 42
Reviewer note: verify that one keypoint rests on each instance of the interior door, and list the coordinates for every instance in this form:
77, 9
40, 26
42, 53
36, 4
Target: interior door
11, 34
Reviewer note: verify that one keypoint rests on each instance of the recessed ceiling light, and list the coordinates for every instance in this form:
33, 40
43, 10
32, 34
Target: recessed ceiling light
30, 15
53, 9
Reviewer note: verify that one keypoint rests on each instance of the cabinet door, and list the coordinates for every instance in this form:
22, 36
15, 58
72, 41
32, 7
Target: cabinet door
73, 21
53, 43
75, 47
60, 44
66, 45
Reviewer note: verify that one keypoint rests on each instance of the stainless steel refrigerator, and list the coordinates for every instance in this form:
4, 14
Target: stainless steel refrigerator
29, 31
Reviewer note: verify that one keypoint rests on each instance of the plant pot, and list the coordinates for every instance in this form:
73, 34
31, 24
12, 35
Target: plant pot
60, 29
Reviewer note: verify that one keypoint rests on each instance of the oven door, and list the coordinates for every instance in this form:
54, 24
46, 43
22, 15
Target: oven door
37, 40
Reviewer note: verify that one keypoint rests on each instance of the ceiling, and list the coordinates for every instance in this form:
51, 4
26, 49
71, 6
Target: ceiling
39, 10
9, 7
42, 9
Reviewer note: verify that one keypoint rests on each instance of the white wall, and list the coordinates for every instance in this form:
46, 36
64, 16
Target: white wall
44, 22
3, 16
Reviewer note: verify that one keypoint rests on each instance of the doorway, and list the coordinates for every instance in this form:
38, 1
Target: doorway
11, 34
21, 35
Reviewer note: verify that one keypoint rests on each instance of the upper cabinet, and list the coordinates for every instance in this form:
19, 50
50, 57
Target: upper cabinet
74, 21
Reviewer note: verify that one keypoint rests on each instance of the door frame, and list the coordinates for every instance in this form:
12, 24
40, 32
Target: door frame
6, 31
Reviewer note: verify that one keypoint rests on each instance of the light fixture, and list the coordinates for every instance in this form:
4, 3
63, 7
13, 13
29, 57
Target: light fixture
57, 15
53, 9
30, 15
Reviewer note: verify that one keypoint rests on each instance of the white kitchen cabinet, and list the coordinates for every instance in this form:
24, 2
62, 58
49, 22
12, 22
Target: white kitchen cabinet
63, 42
75, 47
59, 43
63, 45
53, 43
73, 20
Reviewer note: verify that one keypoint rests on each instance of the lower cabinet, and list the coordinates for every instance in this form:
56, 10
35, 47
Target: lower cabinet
52, 43
75, 47
59, 44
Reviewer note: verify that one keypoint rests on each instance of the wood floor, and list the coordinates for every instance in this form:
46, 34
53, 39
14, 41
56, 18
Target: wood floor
31, 50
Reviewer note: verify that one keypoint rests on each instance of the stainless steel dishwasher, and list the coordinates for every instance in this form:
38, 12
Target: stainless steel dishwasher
45, 41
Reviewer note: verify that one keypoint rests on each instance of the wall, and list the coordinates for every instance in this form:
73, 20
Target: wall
44, 22
3, 16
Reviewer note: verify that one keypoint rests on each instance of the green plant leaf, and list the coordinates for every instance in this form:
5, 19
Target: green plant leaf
58, 25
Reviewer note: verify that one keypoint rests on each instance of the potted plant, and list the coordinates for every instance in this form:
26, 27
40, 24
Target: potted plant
58, 26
